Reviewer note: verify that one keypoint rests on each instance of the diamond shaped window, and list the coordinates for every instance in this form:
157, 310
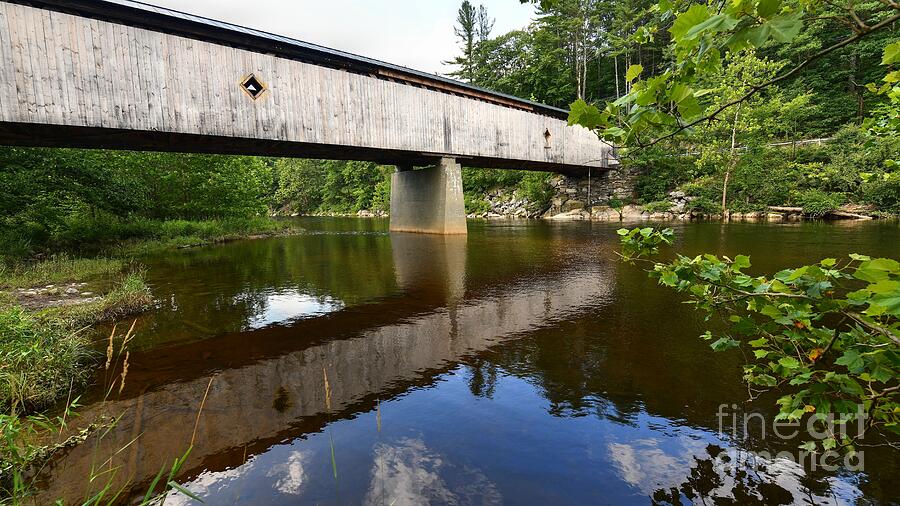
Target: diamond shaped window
253, 86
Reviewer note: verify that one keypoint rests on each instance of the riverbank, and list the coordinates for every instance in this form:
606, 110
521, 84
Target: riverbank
44, 347
47, 301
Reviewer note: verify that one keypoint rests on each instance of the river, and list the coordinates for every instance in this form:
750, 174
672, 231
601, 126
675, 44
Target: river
520, 364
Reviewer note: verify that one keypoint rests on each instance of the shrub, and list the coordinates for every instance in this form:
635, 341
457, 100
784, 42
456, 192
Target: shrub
704, 205
476, 203
535, 186
817, 203
40, 360
883, 191
660, 206
58, 269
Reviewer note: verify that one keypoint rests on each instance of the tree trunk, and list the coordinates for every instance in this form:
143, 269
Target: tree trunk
616, 64
733, 161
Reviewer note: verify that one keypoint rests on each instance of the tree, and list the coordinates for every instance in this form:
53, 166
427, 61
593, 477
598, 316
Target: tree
485, 24
661, 106
825, 336
467, 30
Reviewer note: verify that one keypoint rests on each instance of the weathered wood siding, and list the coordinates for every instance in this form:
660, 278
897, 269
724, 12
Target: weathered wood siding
61, 69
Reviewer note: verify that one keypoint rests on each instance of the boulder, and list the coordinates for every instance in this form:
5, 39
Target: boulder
572, 205
632, 212
573, 215
604, 213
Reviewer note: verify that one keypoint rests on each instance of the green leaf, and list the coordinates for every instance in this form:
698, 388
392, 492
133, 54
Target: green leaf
789, 362
740, 262
687, 20
882, 373
758, 343
717, 23
852, 360
689, 107
586, 115
764, 380
767, 8
885, 286
633, 71
828, 262
885, 303
785, 28
669, 278
876, 270
758, 35
891, 53
809, 446
724, 343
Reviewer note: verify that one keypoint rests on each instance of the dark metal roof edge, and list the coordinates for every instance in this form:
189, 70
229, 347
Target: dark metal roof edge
185, 24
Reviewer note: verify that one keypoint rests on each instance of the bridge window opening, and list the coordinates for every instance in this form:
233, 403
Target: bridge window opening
253, 86
547, 137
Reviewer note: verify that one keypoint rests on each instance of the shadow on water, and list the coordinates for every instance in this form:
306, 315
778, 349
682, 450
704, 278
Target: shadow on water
521, 363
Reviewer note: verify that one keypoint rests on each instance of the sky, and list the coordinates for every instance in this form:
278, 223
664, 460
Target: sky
413, 33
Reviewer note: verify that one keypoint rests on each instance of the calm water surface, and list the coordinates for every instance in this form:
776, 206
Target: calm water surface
521, 364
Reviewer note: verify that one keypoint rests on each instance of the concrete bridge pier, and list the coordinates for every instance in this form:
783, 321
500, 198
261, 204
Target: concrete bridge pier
428, 201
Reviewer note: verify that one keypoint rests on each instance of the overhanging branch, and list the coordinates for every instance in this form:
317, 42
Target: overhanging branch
787, 75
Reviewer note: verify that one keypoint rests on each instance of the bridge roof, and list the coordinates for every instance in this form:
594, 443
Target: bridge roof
166, 20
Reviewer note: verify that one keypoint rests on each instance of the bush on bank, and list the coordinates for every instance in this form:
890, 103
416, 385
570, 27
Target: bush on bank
41, 360
850, 168
44, 353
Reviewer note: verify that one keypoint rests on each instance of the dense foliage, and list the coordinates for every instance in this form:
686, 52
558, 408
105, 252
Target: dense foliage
825, 336
72, 198
662, 66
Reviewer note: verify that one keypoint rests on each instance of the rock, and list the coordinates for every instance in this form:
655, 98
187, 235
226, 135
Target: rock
604, 213
572, 205
774, 217
677, 195
72, 291
573, 215
50, 286
87, 294
660, 216
632, 212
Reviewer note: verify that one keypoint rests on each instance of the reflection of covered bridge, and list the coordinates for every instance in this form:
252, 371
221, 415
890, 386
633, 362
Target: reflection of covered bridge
269, 385
122, 74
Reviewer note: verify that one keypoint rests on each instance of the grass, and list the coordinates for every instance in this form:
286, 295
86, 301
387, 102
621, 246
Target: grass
40, 360
89, 235
44, 354
174, 234
58, 269
130, 296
